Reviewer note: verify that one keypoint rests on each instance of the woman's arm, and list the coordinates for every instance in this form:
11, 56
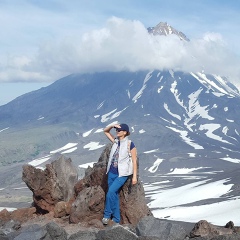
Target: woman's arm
107, 132
134, 159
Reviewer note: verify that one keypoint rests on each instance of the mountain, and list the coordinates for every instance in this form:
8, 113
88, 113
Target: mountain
165, 29
185, 127
181, 111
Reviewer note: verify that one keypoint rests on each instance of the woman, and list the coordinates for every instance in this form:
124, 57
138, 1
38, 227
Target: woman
122, 163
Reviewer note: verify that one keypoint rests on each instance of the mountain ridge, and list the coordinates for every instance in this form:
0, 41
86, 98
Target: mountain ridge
177, 102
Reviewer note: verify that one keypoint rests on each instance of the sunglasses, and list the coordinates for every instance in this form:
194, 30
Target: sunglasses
118, 130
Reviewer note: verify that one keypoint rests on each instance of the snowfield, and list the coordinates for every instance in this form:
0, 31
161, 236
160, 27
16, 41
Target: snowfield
184, 203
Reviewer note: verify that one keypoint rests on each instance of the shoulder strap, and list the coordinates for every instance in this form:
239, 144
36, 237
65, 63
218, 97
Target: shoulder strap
129, 145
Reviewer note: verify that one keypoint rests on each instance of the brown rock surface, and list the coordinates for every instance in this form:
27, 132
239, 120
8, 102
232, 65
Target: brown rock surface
62, 209
52, 185
5, 216
21, 215
88, 205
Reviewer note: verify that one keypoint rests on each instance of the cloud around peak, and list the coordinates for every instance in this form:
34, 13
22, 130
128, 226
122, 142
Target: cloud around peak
121, 45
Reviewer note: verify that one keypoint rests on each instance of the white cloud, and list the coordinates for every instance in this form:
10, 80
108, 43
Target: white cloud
121, 45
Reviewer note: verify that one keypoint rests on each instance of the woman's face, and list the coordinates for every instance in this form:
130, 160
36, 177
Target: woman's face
121, 134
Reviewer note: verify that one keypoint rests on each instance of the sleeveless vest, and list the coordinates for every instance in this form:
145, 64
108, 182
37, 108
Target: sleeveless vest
125, 165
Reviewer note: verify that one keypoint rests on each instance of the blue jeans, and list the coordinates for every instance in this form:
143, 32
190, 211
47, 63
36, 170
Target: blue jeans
112, 207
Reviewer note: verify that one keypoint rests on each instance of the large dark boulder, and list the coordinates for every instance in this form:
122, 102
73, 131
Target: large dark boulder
55, 232
50, 231
52, 185
83, 235
32, 232
116, 232
91, 190
165, 230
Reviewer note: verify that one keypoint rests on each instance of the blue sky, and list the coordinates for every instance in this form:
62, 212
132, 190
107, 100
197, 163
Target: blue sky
42, 41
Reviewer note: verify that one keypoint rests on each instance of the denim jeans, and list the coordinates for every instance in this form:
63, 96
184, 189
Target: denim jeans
112, 207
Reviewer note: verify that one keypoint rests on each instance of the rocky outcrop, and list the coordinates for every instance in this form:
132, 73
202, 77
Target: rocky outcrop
52, 185
91, 190
148, 228
57, 190
206, 229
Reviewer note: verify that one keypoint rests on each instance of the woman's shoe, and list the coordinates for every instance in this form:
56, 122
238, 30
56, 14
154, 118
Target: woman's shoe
105, 221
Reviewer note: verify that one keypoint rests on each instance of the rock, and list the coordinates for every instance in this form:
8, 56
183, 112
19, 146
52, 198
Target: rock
95, 176
133, 203
19, 215
95, 223
5, 216
222, 237
55, 232
62, 209
36, 232
153, 227
230, 225
88, 205
148, 238
83, 235
3, 236
67, 176
32, 232
204, 228
52, 185
23, 214
11, 226
116, 232
132, 198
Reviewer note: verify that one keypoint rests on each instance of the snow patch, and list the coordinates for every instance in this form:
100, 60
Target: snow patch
86, 165
40, 118
193, 192
233, 160
183, 135
169, 112
210, 128
69, 150
99, 130
93, 146
8, 209
38, 161
151, 151
183, 170
87, 133
155, 166
142, 131
67, 146
140, 92
4, 129
192, 154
